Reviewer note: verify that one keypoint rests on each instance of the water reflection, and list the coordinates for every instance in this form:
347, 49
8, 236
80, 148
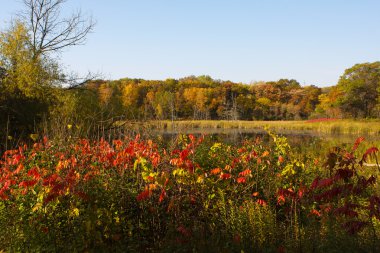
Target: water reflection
301, 141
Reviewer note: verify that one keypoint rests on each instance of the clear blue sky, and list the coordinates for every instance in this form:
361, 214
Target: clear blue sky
312, 41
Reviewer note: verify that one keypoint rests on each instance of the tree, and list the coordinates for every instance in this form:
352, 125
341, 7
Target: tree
131, 100
360, 86
31, 73
329, 103
25, 91
197, 98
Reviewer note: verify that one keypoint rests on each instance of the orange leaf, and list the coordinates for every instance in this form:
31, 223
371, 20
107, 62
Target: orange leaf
215, 171
245, 173
255, 194
261, 202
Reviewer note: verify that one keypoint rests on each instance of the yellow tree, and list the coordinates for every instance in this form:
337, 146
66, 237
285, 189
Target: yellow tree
27, 90
130, 100
197, 97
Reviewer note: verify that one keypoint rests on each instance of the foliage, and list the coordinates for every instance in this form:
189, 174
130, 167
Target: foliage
194, 195
26, 89
31, 76
360, 86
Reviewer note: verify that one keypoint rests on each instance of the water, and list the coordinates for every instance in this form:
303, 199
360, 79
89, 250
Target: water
302, 142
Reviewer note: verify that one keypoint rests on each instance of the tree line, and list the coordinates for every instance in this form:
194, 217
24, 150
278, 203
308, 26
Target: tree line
36, 92
356, 95
203, 98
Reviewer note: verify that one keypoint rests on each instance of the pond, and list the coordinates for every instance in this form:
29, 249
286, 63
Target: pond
302, 142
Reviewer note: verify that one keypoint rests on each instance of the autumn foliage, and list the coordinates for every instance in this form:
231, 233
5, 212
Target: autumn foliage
133, 194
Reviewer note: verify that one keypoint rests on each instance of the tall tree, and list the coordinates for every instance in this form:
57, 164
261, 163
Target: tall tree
28, 59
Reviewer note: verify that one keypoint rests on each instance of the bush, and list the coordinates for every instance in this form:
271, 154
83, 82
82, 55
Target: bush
196, 195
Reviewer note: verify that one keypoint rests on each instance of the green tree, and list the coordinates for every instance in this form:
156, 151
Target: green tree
360, 86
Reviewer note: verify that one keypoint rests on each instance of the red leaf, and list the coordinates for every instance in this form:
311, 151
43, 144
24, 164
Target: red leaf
314, 184
301, 191
144, 195
241, 180
369, 152
280, 199
225, 176
27, 183
162, 196
51, 180
191, 137
347, 211
34, 173
357, 142
184, 154
50, 197
325, 183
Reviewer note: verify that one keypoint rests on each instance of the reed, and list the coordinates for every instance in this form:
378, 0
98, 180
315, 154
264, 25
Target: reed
334, 127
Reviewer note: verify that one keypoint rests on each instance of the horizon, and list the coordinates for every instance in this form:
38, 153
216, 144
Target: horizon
243, 42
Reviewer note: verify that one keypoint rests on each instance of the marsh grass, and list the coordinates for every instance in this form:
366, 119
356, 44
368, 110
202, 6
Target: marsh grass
335, 127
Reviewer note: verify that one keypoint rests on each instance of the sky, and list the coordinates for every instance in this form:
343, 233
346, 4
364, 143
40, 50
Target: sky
312, 41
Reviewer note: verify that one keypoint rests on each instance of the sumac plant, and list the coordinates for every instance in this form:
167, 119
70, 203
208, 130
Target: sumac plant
132, 195
347, 190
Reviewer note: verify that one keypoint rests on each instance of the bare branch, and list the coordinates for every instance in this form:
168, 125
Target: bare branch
74, 82
52, 33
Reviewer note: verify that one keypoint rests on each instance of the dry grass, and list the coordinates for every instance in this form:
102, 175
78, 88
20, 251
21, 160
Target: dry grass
351, 127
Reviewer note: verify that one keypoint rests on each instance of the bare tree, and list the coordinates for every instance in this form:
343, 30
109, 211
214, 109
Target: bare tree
49, 31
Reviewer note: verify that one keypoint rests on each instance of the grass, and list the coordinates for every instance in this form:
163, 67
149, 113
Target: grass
335, 127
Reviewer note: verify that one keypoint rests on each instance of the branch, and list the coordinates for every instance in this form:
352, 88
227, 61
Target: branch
78, 82
50, 32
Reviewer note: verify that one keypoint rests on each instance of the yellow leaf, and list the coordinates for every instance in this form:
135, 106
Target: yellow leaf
34, 137
74, 212
36, 207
